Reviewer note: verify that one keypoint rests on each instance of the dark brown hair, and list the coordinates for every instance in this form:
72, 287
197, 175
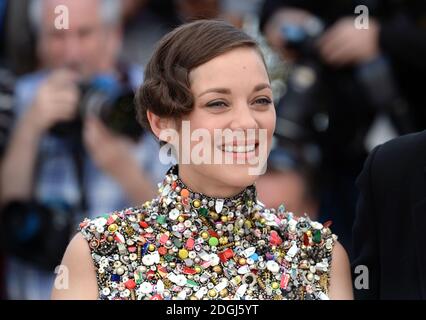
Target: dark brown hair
166, 89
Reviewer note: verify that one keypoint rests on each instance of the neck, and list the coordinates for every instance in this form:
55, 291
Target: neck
213, 188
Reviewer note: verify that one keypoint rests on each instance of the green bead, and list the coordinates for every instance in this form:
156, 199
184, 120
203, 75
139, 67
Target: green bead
213, 241
191, 283
203, 211
317, 236
161, 219
177, 243
168, 257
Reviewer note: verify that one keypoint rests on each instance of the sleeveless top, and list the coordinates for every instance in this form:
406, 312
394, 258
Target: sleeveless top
186, 245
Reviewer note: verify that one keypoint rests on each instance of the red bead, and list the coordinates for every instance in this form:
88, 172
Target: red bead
226, 255
190, 244
284, 281
130, 284
275, 239
305, 239
143, 224
162, 251
213, 233
164, 238
187, 270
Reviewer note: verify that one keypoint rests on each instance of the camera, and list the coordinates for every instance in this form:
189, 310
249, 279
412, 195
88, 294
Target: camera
302, 112
108, 99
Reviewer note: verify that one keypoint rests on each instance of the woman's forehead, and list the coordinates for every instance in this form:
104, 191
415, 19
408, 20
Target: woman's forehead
242, 65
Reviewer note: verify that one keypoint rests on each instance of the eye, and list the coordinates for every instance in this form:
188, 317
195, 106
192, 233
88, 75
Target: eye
263, 101
217, 104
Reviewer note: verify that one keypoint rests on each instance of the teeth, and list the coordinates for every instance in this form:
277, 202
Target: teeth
239, 149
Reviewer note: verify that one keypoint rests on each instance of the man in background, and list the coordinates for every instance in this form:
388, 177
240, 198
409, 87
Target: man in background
40, 165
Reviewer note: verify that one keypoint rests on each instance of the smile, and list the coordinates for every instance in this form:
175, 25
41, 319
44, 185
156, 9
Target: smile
239, 149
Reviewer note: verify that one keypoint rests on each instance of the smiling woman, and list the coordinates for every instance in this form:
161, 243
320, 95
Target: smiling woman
206, 235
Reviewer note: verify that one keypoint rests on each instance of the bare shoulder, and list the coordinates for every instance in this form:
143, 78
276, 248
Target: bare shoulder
76, 277
340, 274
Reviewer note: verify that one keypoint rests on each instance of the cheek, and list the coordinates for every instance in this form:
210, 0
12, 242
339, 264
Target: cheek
206, 123
267, 121
54, 48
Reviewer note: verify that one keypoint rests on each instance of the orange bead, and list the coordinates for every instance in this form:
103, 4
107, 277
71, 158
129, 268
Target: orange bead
184, 193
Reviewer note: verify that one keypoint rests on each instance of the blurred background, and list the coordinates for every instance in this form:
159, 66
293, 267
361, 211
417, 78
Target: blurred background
345, 79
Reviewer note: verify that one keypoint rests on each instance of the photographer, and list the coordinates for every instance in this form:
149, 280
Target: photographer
66, 157
348, 89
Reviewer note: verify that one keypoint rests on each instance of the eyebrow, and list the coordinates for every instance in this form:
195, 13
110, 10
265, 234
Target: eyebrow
258, 87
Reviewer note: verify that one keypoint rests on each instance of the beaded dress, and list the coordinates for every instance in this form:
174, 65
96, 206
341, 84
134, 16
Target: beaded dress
186, 245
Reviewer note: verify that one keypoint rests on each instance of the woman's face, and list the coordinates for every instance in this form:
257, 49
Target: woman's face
233, 106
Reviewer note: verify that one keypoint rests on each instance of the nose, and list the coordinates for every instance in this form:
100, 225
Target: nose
243, 117
72, 50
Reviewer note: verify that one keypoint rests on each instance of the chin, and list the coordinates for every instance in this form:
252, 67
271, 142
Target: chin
236, 175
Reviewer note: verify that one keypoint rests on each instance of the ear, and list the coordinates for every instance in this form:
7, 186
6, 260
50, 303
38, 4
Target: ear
160, 125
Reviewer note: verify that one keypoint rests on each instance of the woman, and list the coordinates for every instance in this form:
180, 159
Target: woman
206, 236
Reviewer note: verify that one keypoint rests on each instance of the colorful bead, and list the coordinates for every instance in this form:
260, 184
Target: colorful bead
184, 193
183, 254
213, 241
184, 245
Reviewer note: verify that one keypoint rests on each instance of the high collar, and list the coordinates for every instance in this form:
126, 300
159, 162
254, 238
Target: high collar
179, 195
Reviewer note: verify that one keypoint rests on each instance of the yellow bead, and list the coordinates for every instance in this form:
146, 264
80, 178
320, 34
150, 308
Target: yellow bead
214, 215
217, 269
224, 219
113, 228
181, 218
183, 254
212, 293
198, 269
205, 235
223, 293
248, 224
196, 203
275, 285
308, 233
223, 240
262, 220
151, 247
242, 261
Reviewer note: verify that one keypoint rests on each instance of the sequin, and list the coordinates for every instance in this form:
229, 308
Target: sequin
185, 245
